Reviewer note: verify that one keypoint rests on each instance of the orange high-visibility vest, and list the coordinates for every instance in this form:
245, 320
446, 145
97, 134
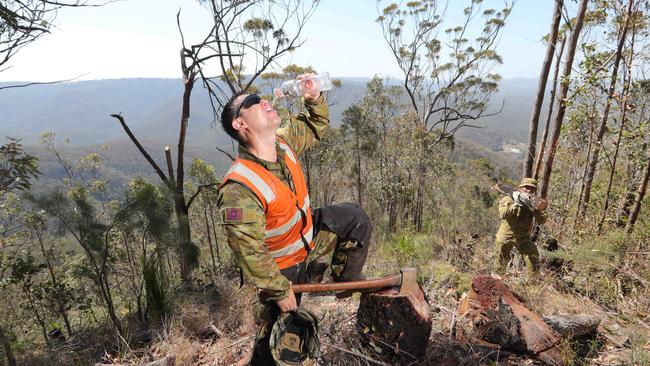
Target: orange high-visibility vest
289, 227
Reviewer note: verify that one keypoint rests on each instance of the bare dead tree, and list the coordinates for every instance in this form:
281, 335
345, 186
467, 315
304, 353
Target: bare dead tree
541, 89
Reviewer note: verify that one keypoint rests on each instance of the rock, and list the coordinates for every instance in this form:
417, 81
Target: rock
573, 326
613, 332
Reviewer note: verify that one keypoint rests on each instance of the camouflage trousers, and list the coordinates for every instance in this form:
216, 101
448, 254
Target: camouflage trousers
341, 229
525, 247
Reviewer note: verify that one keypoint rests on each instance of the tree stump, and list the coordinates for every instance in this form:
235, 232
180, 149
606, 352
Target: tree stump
492, 313
396, 322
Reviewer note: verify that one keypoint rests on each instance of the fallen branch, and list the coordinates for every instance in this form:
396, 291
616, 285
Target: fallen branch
242, 340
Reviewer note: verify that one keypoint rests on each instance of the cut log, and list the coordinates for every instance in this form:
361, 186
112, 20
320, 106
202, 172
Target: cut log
398, 323
492, 313
573, 326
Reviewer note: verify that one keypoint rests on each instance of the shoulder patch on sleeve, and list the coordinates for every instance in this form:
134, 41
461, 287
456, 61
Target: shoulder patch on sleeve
233, 214
237, 215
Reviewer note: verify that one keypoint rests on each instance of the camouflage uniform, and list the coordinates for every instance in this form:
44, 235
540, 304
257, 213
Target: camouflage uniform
342, 228
516, 227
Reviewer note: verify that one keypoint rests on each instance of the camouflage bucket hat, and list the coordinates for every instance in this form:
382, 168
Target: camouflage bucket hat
294, 338
528, 182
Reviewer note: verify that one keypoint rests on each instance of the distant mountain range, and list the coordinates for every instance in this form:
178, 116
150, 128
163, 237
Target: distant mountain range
80, 112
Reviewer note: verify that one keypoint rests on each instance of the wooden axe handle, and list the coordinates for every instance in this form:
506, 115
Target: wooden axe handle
389, 281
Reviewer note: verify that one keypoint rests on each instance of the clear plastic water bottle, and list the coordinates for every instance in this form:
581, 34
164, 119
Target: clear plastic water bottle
297, 88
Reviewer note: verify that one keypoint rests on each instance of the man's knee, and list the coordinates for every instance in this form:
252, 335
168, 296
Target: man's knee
363, 226
348, 221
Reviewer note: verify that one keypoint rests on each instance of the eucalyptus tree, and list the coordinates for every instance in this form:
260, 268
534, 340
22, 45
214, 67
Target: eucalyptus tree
83, 212
562, 96
541, 88
17, 170
448, 78
362, 133
621, 32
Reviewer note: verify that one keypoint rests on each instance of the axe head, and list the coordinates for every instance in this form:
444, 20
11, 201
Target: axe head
411, 287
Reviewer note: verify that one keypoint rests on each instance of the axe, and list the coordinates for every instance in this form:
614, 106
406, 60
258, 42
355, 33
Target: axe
406, 281
396, 313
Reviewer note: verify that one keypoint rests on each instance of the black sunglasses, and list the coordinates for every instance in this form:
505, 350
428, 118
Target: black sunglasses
249, 101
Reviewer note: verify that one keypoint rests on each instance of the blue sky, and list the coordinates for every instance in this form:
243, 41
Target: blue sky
139, 38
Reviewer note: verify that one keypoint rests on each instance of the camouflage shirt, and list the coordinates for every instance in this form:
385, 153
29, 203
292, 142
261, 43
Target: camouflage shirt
246, 235
516, 221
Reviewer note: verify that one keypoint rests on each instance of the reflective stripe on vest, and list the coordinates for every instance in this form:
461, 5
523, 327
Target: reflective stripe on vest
289, 152
289, 227
293, 247
241, 169
286, 227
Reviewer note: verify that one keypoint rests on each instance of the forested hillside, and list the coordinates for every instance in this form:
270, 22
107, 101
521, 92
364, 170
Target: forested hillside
115, 250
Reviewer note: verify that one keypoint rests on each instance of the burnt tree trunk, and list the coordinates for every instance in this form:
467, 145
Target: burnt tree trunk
492, 313
189, 253
541, 89
564, 90
214, 233
591, 171
629, 193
